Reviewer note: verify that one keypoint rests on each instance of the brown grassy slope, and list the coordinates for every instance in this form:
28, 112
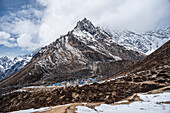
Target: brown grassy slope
158, 58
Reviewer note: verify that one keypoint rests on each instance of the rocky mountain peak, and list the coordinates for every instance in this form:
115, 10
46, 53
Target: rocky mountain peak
86, 25
84, 52
5, 63
10, 66
5, 58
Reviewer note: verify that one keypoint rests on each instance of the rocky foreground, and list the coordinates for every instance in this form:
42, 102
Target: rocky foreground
107, 92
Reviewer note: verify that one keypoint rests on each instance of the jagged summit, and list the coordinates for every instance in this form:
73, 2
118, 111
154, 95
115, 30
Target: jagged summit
145, 43
86, 25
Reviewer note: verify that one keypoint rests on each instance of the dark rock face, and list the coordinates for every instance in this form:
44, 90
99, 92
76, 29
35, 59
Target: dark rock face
84, 50
87, 26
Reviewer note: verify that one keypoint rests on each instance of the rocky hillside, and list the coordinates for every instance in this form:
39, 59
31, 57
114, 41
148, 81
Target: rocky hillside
81, 53
161, 57
108, 91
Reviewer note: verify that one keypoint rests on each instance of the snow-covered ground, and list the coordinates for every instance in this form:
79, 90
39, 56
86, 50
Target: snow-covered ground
151, 104
32, 110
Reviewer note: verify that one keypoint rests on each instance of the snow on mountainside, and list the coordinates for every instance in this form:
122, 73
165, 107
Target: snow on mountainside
145, 43
10, 66
97, 39
92, 37
78, 54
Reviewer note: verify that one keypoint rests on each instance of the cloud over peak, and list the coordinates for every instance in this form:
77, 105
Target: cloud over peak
38, 26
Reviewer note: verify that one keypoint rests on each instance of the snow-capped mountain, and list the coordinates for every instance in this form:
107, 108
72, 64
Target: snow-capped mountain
145, 43
10, 66
5, 63
84, 52
96, 39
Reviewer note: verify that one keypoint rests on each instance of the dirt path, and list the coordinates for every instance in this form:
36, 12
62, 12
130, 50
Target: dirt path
62, 109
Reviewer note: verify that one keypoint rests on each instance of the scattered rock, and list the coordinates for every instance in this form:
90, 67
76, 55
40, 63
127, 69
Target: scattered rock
136, 98
163, 75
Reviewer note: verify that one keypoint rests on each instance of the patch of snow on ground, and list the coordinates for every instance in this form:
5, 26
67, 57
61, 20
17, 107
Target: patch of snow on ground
123, 101
30, 110
84, 109
150, 104
140, 72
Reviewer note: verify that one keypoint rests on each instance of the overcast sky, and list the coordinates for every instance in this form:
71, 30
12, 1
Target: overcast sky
28, 24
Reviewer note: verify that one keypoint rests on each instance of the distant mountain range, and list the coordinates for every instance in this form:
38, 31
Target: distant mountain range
10, 66
145, 43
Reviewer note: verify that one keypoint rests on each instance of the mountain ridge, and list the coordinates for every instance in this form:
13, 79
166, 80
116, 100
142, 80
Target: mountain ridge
10, 66
142, 42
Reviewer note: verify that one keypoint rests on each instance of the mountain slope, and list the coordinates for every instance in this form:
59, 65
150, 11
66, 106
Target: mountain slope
79, 54
158, 59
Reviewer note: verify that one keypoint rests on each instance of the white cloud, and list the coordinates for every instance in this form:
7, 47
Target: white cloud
24, 27
12, 39
139, 16
59, 17
26, 42
4, 35
136, 15
4, 40
8, 44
